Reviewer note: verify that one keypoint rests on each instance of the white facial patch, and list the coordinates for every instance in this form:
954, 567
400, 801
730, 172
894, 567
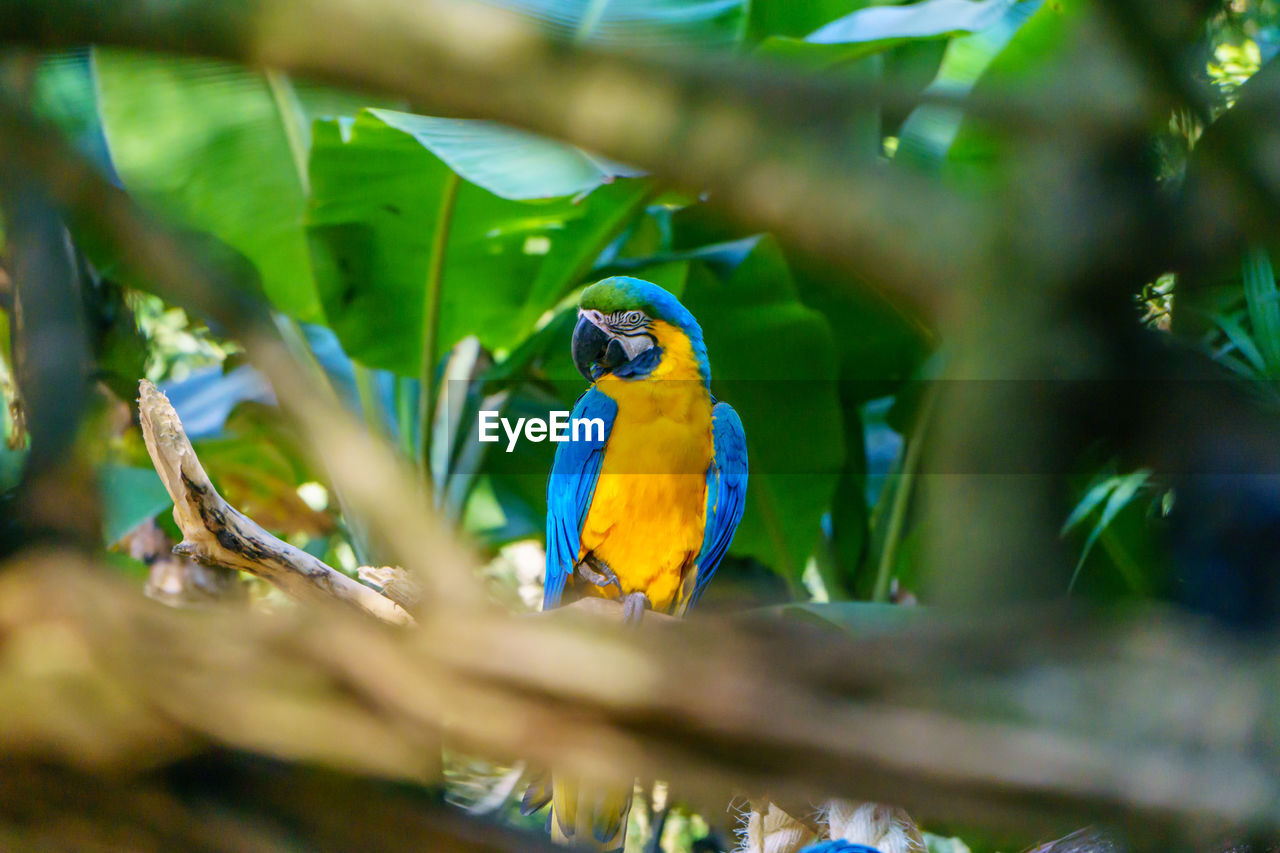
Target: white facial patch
633, 346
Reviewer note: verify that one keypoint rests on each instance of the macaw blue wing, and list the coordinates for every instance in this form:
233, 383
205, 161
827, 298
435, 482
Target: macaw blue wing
726, 493
570, 488
838, 847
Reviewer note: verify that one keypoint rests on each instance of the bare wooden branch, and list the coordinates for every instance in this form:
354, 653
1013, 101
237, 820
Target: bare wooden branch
1150, 724
770, 146
216, 533
393, 582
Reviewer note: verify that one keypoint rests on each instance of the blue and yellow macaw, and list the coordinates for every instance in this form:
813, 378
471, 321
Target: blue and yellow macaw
645, 512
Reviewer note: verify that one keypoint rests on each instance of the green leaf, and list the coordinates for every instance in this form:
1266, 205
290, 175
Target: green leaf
1091, 500
497, 515
791, 19
575, 248
1263, 302
774, 361
874, 30
818, 57
1022, 68
507, 162
534, 350
847, 62
939, 844
375, 207
130, 496
257, 464
204, 144
127, 566
517, 481
928, 132
880, 343
12, 459
651, 24
1235, 365
843, 551
1122, 491
929, 19
11, 462
64, 94
119, 348
1241, 340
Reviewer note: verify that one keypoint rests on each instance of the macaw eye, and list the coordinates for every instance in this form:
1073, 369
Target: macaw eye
633, 318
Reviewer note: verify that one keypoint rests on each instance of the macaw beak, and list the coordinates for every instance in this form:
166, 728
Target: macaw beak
595, 351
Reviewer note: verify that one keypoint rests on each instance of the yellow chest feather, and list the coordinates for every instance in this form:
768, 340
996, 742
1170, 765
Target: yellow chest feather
647, 514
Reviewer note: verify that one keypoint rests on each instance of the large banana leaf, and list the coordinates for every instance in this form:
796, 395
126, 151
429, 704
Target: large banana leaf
205, 144
929, 19
130, 496
788, 18
63, 92
382, 201
507, 162
928, 132
1021, 67
774, 361
650, 24
879, 343
875, 29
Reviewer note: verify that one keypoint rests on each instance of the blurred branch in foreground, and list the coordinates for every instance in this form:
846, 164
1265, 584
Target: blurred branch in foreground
1035, 727
230, 802
51, 366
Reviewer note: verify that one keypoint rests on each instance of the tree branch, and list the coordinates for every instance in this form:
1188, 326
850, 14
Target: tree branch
216, 533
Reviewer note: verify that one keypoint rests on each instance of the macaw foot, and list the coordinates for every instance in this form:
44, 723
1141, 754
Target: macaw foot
633, 608
597, 573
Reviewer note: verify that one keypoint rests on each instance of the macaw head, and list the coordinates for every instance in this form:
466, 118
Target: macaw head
626, 327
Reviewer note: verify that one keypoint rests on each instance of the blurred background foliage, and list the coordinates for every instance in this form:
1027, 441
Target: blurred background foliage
428, 267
